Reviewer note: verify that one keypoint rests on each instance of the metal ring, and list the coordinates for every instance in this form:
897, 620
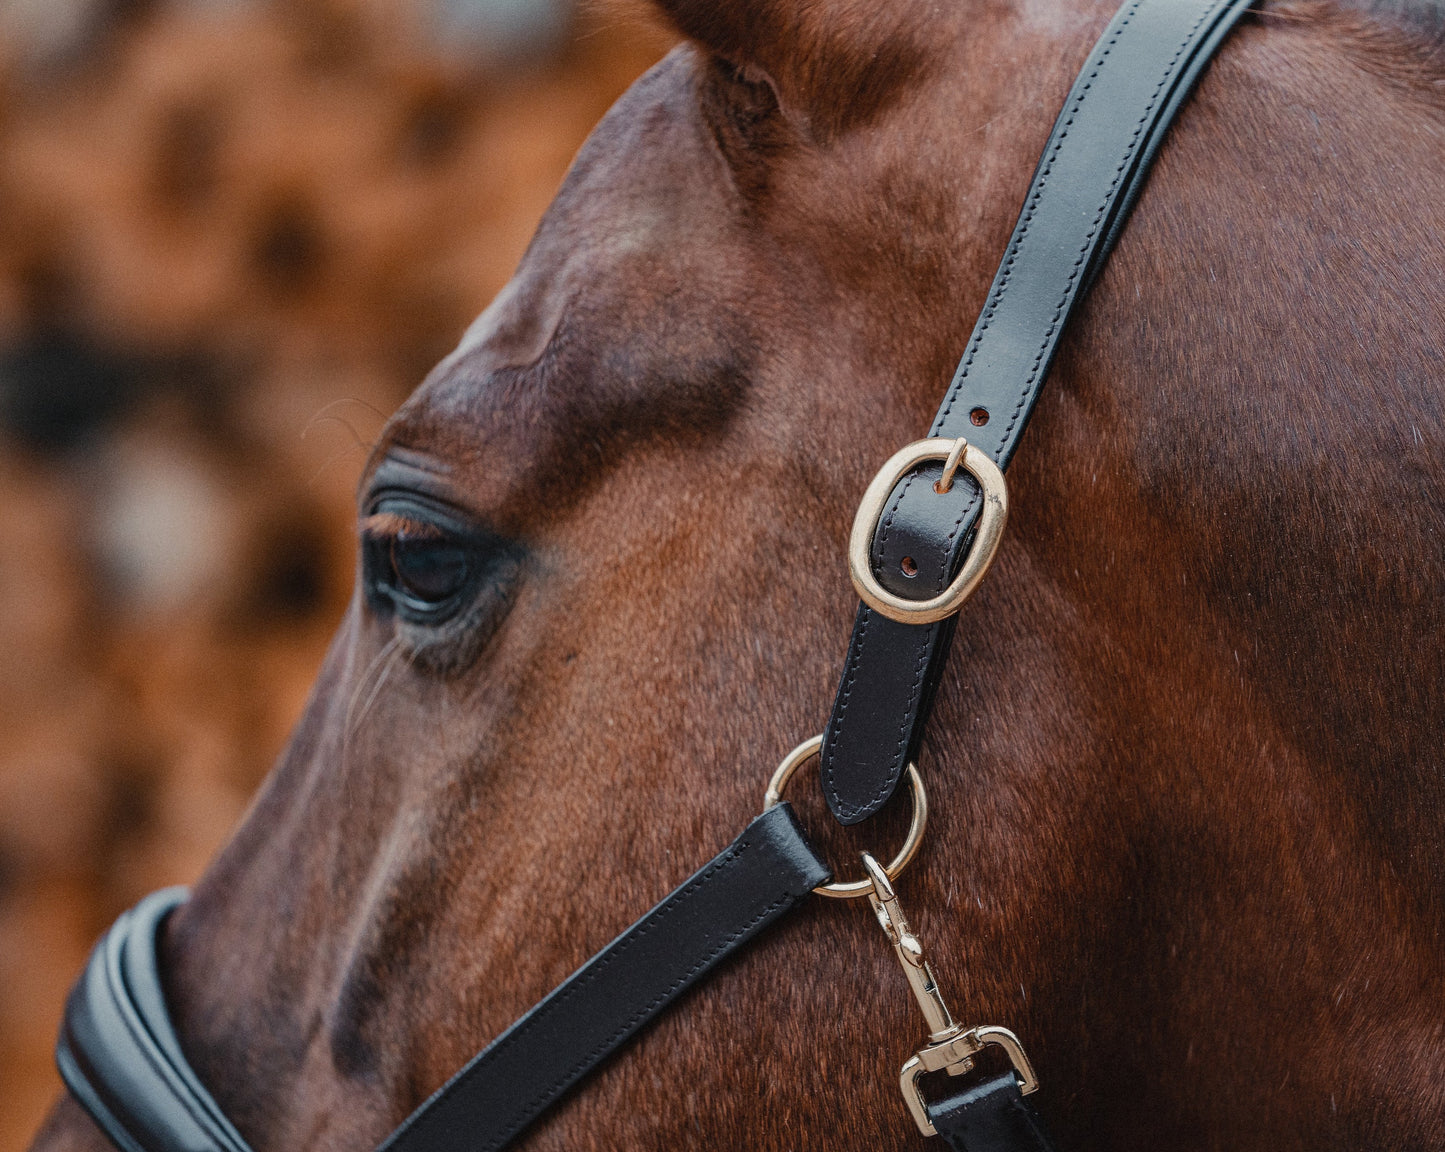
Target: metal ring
854, 888
977, 464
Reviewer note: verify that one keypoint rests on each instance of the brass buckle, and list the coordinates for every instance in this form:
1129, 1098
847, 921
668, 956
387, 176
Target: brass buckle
950, 1046
955, 454
855, 888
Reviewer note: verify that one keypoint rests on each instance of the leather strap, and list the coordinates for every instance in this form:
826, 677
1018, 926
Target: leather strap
1093, 167
118, 1052
990, 1116
119, 1055
120, 1058
765, 872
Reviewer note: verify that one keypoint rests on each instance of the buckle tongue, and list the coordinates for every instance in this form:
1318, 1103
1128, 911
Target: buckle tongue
956, 454
950, 1046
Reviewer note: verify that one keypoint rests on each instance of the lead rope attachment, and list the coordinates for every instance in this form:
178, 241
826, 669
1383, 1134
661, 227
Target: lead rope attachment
950, 1048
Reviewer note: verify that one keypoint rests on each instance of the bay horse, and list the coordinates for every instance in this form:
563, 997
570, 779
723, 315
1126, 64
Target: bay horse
1188, 806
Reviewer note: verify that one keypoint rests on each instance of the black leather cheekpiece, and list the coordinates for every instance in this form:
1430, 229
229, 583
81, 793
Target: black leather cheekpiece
1092, 170
120, 1058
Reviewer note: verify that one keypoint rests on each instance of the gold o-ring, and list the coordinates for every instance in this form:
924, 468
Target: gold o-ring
855, 888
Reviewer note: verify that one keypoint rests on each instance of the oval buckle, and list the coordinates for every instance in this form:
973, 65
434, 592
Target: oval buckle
956, 454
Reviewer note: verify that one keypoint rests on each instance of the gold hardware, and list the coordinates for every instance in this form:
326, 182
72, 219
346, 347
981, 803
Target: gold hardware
909, 949
855, 888
954, 1053
955, 454
950, 466
950, 1046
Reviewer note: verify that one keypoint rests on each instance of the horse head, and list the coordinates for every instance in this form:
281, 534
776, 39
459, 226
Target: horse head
1187, 815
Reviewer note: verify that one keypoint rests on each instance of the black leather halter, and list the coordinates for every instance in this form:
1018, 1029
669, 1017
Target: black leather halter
1092, 171
120, 1057
118, 1051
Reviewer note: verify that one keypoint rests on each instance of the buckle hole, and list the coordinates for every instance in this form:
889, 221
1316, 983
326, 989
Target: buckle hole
908, 567
979, 416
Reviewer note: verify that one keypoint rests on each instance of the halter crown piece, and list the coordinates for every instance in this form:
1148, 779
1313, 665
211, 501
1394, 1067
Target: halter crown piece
930, 524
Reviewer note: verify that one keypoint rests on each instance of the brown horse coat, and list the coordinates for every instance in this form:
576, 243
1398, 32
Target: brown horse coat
1189, 810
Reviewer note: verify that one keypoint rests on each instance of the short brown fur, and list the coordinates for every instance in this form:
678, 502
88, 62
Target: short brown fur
1189, 813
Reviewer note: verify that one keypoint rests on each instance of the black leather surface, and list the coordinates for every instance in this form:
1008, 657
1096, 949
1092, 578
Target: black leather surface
991, 1116
120, 1058
118, 1053
1093, 167
767, 870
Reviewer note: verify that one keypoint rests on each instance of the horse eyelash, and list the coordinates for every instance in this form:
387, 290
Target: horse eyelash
389, 525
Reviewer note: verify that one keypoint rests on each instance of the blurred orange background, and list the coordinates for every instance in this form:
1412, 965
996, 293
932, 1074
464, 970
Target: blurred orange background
234, 234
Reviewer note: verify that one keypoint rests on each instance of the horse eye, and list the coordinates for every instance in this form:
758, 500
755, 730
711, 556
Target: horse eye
427, 569
419, 566
443, 580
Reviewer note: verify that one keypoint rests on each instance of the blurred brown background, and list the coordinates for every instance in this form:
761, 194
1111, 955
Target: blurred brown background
234, 234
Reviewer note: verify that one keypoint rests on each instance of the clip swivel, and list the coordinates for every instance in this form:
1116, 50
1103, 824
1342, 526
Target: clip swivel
950, 1046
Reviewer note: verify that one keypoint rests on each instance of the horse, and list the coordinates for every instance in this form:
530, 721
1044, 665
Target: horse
1187, 812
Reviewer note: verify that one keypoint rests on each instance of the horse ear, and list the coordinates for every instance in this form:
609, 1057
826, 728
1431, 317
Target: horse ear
830, 63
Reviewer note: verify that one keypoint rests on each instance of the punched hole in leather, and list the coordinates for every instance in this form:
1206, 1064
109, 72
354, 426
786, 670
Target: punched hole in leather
118, 1052
1094, 164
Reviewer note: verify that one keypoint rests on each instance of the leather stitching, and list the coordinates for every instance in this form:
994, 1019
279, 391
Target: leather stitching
1129, 152
956, 391
642, 1013
991, 306
829, 775
653, 920
843, 807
